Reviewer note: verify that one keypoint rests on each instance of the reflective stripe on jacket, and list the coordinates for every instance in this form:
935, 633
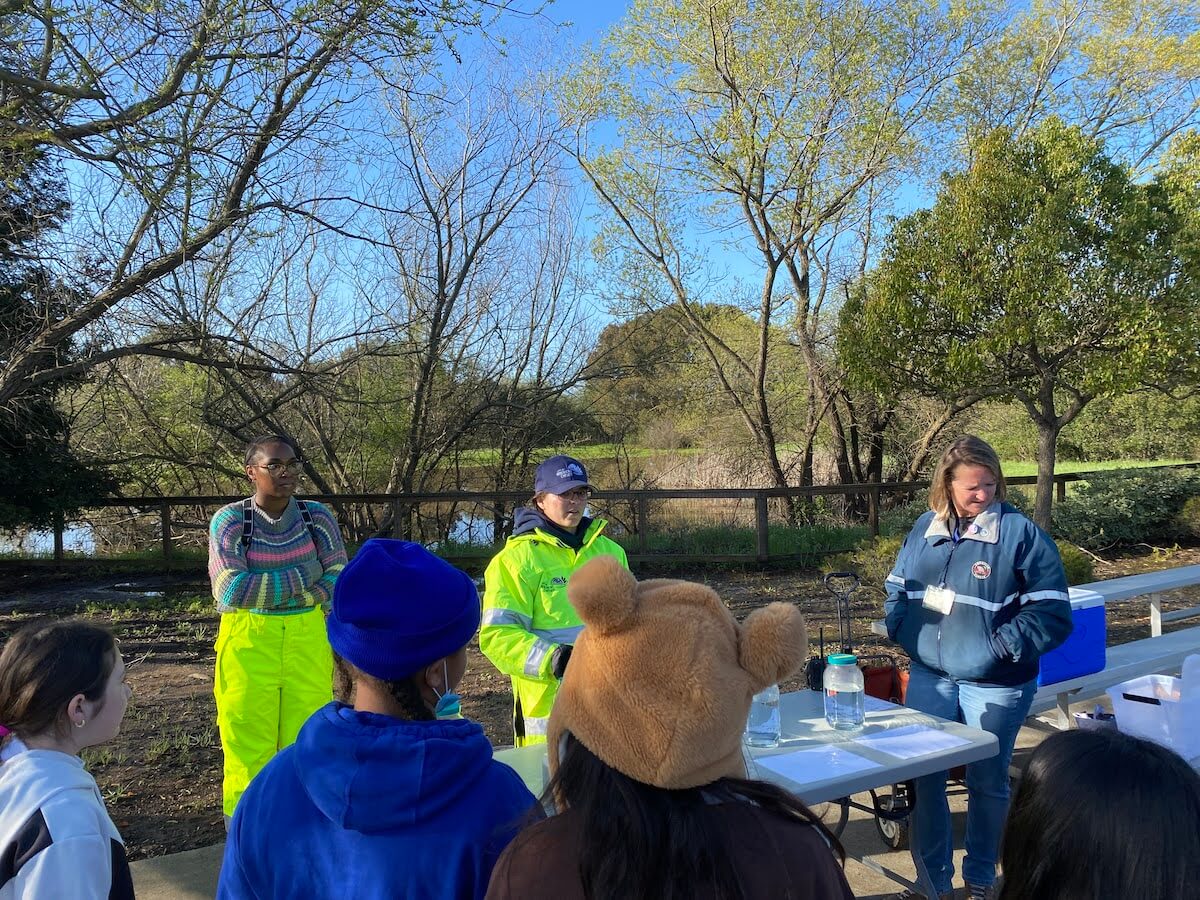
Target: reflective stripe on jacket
1010, 597
526, 616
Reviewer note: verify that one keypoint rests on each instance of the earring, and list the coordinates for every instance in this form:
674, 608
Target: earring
80, 723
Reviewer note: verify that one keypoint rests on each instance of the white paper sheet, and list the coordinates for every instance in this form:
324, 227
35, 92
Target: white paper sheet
816, 764
910, 741
874, 704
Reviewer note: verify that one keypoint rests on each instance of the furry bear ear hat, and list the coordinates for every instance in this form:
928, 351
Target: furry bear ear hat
660, 681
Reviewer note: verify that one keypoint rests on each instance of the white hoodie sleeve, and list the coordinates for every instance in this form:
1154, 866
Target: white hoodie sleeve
79, 868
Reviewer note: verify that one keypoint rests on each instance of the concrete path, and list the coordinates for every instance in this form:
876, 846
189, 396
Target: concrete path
191, 875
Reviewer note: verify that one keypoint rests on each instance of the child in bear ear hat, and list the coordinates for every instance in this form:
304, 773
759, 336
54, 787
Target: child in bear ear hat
645, 754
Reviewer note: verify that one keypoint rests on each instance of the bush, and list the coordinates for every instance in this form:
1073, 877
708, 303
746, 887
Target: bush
871, 562
1078, 565
1126, 507
1021, 498
1188, 519
899, 520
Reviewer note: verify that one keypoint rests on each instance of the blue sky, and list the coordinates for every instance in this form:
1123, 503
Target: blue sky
586, 21
590, 17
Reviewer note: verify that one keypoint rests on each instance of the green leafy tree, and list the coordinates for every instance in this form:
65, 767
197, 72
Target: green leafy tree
1122, 70
632, 373
766, 128
1043, 274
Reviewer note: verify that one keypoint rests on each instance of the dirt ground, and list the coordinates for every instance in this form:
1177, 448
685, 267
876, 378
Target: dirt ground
161, 777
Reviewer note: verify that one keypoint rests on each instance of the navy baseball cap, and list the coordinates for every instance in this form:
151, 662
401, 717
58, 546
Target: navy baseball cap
559, 474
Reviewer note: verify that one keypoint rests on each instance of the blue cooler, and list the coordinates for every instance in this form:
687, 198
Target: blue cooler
1083, 652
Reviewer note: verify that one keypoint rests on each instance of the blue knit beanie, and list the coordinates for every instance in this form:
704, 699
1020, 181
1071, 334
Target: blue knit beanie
397, 608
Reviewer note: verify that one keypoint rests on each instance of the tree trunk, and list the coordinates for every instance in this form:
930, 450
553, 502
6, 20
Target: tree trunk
1048, 429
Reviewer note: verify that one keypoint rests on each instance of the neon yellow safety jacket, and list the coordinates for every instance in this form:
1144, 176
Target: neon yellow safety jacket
526, 616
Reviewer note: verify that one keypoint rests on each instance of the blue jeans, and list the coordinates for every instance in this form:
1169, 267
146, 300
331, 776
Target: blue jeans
1000, 710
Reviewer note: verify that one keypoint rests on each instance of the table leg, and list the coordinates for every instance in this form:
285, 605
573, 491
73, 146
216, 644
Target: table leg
1064, 711
923, 878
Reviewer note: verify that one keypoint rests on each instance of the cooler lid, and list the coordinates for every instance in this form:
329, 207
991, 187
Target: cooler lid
1083, 598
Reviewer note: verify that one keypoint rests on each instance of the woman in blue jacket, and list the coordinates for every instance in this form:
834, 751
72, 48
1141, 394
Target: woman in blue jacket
977, 595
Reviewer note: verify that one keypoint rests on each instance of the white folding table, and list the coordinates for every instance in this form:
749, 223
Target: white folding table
889, 749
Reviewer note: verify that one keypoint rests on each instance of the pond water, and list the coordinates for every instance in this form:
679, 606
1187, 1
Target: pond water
80, 537
77, 538
469, 529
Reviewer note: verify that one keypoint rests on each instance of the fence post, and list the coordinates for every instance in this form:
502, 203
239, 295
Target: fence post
164, 511
1060, 488
396, 518
1156, 615
873, 509
59, 525
761, 523
643, 516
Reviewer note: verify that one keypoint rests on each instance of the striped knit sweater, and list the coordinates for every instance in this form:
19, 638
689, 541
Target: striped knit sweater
281, 571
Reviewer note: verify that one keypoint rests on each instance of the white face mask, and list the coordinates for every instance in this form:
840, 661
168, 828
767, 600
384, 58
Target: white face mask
448, 706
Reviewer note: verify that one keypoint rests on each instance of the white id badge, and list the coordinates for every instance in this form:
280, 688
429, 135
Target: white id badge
940, 599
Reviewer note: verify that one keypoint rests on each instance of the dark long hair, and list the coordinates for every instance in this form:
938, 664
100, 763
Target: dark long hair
404, 691
1103, 814
643, 841
44, 665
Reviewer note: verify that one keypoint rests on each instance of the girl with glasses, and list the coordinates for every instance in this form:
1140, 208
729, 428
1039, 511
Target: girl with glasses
273, 560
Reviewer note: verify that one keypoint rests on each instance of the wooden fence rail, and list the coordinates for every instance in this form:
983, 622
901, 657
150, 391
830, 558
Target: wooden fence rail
639, 500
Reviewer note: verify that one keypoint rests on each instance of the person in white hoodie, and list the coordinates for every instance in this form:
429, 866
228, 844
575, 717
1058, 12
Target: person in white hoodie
62, 688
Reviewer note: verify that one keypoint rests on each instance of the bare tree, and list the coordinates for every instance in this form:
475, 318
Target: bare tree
180, 124
754, 127
448, 318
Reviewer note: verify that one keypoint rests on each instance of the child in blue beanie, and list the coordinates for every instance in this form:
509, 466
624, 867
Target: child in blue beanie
388, 791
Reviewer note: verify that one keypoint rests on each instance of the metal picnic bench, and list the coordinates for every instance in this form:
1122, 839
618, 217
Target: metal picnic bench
1157, 653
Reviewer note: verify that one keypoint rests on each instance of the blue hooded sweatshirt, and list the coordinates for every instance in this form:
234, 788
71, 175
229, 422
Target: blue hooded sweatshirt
365, 806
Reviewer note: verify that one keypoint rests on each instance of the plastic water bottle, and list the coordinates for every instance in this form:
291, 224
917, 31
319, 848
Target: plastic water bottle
844, 692
762, 728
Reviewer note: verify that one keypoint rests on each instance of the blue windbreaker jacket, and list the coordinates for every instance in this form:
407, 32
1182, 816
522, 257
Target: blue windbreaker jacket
1010, 597
366, 806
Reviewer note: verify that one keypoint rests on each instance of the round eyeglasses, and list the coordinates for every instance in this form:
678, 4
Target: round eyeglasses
292, 467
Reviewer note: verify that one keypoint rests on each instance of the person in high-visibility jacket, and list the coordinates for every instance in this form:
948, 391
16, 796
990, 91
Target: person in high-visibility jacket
273, 561
529, 626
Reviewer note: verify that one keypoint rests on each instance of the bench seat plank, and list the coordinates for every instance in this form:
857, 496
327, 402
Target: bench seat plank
1114, 590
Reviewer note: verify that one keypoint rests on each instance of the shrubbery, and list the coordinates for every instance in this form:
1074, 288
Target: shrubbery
1129, 507
871, 561
1188, 518
1078, 565
899, 520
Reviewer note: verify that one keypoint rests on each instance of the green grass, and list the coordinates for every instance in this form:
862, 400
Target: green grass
139, 605
1020, 468
185, 557
584, 452
808, 542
